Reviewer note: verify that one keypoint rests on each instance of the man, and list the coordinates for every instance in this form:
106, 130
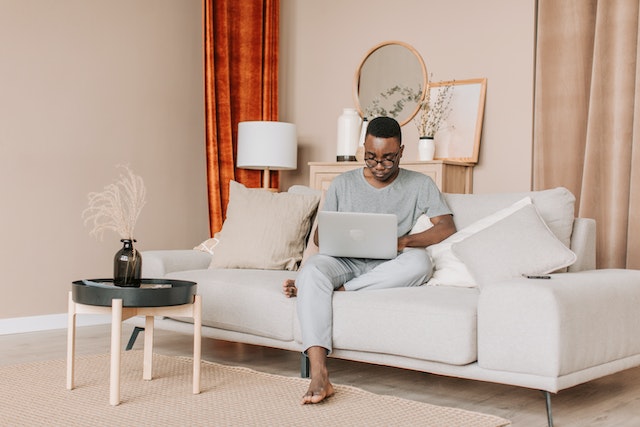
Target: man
381, 187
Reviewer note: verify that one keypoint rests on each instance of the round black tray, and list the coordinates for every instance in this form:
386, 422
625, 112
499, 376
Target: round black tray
180, 292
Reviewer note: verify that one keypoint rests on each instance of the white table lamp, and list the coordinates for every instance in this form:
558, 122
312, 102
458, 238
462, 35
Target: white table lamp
267, 146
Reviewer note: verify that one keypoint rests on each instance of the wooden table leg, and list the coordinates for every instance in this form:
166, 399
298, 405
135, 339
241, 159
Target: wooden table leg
116, 335
197, 342
71, 342
147, 372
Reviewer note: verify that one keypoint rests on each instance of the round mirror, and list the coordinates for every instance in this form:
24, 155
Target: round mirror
390, 81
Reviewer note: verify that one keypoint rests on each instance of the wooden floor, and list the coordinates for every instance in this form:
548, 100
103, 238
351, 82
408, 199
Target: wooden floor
610, 401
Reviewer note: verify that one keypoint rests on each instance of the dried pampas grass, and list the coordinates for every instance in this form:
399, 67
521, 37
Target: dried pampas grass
116, 208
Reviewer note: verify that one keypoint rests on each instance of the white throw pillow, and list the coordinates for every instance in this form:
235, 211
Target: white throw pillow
448, 269
208, 245
422, 224
264, 230
519, 244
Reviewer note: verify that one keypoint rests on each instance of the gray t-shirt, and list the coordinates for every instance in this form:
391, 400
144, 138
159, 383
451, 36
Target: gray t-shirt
410, 195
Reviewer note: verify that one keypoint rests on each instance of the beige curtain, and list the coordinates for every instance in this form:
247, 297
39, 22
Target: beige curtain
587, 117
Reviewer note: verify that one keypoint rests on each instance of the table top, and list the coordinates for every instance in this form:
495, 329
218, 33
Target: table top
151, 293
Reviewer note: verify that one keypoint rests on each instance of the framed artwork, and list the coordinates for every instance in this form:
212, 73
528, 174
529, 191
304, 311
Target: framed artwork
459, 136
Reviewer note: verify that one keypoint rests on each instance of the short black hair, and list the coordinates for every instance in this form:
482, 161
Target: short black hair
385, 127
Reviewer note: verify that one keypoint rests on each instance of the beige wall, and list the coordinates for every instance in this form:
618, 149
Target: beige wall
86, 85
89, 84
322, 43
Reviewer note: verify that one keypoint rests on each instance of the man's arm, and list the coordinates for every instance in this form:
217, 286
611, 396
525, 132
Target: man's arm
443, 227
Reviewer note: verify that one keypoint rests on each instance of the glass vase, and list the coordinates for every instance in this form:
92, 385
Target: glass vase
127, 265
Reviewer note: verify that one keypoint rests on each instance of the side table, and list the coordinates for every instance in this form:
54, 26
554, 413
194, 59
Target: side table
155, 297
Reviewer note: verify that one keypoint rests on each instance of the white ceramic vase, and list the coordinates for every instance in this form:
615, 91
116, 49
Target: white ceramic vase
426, 148
349, 125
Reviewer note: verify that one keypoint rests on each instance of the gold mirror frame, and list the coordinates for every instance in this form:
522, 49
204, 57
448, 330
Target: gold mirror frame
392, 92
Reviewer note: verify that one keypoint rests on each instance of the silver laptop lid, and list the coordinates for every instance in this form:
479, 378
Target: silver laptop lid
358, 235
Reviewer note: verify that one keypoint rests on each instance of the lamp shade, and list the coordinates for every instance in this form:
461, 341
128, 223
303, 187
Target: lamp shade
267, 145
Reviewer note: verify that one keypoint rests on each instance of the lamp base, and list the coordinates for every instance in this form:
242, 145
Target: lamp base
345, 158
266, 181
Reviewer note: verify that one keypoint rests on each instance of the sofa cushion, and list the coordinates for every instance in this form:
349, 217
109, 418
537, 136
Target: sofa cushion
244, 300
428, 323
519, 244
264, 230
575, 326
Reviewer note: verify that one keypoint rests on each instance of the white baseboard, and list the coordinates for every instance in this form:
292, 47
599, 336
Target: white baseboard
19, 325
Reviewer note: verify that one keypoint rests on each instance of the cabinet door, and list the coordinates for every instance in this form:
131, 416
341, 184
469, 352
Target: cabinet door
322, 174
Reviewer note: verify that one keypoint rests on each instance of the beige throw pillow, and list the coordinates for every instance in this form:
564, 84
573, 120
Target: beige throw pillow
263, 230
312, 248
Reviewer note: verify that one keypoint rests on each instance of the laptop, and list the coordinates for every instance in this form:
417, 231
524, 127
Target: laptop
358, 235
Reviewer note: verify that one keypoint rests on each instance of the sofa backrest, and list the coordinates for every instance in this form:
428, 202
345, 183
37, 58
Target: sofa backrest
556, 207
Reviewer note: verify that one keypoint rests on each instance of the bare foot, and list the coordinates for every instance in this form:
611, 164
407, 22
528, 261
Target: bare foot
319, 389
289, 288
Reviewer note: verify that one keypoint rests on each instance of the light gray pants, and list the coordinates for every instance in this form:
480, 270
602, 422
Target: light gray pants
321, 275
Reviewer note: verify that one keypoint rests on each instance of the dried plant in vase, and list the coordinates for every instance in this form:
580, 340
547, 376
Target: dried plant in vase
432, 115
117, 208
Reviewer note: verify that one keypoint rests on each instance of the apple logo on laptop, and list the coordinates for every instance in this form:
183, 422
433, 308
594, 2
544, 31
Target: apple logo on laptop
357, 234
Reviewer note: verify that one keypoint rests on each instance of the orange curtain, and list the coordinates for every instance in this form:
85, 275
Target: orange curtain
587, 117
241, 83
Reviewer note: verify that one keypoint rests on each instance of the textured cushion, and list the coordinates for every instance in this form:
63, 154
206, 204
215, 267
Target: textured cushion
448, 269
519, 244
263, 230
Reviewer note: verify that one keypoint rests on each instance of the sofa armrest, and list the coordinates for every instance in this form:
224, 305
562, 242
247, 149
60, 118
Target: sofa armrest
156, 264
583, 244
555, 327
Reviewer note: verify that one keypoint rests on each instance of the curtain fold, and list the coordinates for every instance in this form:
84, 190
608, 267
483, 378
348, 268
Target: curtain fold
241, 84
587, 116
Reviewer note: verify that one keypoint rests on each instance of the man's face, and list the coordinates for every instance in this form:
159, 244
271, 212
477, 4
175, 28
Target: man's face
382, 156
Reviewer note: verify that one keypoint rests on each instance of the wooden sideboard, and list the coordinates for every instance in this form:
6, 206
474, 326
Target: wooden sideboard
450, 176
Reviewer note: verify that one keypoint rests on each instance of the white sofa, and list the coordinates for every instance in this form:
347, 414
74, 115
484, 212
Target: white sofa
546, 334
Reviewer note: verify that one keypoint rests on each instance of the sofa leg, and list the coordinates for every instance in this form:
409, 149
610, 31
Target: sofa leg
547, 397
304, 366
134, 335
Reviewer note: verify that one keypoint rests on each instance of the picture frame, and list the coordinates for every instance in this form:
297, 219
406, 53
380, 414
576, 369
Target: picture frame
459, 137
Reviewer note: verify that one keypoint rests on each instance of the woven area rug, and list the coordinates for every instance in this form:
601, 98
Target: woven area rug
34, 394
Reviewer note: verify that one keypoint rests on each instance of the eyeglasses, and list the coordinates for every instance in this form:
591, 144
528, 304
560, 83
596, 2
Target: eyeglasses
387, 163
